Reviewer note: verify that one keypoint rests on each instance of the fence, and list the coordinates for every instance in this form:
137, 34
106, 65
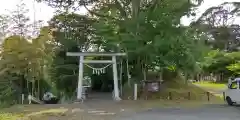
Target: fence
204, 96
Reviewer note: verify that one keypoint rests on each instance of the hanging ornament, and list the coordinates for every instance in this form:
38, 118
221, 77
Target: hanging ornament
104, 70
95, 71
98, 71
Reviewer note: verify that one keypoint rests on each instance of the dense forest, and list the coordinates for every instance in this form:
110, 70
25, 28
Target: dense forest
33, 56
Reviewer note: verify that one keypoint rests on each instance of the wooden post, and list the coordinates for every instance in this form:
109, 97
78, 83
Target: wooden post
115, 79
38, 91
80, 78
189, 95
120, 77
135, 91
208, 96
22, 98
29, 99
224, 96
170, 96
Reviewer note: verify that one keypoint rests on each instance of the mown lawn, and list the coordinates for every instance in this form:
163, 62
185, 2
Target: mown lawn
211, 85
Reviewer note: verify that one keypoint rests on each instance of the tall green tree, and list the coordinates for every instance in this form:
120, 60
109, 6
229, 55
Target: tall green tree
149, 31
153, 37
218, 23
72, 33
25, 62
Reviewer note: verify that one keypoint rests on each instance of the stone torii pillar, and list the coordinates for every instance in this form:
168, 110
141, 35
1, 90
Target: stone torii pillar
81, 56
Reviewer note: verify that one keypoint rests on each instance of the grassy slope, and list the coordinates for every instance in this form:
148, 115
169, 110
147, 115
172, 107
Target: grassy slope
180, 91
180, 94
216, 88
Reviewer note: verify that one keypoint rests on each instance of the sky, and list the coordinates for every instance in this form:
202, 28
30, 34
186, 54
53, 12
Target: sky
41, 10
45, 13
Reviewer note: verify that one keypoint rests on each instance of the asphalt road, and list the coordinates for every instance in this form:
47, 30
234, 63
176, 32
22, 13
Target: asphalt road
210, 112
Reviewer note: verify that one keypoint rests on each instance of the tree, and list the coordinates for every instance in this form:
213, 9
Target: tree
235, 65
159, 45
3, 26
13, 66
72, 30
222, 36
217, 23
219, 62
24, 62
235, 68
72, 33
19, 21
121, 26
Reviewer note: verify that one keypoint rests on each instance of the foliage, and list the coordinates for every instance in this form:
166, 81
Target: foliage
150, 32
168, 43
222, 35
219, 24
72, 33
235, 67
218, 61
23, 61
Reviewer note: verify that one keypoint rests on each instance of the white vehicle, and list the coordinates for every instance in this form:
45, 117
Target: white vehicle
233, 92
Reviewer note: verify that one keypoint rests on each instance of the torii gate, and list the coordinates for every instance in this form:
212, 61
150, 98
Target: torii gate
81, 56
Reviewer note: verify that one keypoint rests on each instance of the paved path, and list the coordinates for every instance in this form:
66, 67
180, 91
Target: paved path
210, 112
207, 112
123, 111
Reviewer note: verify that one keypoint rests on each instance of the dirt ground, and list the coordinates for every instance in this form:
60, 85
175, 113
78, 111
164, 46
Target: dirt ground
107, 109
94, 110
76, 111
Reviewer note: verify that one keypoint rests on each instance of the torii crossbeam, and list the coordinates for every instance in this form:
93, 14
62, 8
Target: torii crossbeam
81, 56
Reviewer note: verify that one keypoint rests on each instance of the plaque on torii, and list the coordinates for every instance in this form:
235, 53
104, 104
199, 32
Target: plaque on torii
81, 56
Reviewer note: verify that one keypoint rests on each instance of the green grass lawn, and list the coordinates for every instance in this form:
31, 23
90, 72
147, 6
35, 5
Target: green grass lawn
211, 85
216, 89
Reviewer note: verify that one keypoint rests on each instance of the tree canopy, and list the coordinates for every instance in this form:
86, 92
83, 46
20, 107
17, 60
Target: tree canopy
149, 31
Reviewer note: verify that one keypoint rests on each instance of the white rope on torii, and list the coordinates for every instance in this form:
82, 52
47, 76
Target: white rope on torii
102, 70
98, 71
